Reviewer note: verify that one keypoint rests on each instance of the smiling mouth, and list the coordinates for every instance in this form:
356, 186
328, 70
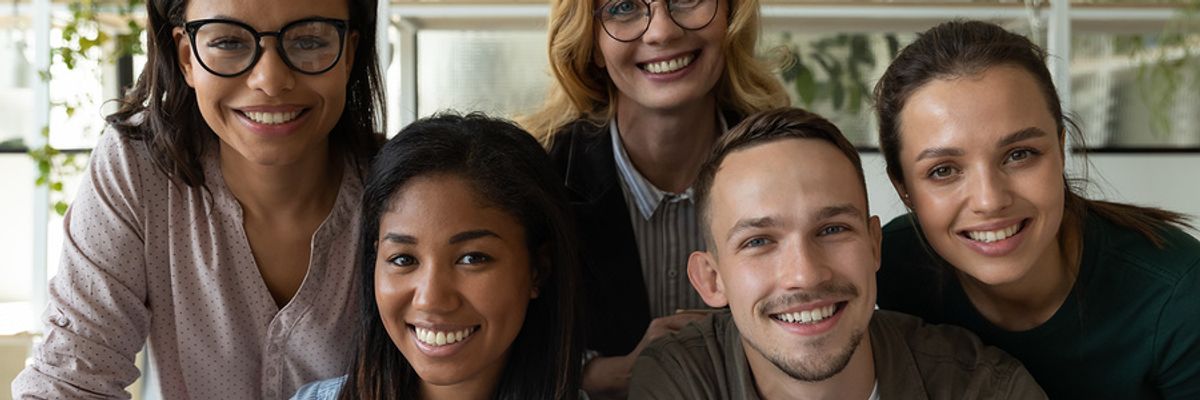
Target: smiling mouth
995, 235
669, 66
437, 338
812, 316
272, 118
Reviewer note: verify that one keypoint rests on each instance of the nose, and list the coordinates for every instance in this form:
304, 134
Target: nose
804, 266
435, 292
990, 192
271, 74
662, 28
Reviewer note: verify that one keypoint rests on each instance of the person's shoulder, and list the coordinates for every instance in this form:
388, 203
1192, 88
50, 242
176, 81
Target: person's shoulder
698, 342
903, 242
321, 390
115, 146
1177, 257
690, 363
910, 278
952, 358
901, 230
577, 134
936, 341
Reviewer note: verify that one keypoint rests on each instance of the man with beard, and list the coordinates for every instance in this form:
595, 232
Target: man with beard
793, 251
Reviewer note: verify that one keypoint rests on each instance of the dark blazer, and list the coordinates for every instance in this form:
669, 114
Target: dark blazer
617, 306
617, 309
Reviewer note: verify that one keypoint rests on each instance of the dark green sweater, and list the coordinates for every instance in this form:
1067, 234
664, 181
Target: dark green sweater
1130, 328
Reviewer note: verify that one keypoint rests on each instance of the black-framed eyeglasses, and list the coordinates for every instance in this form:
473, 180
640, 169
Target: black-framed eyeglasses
628, 20
230, 48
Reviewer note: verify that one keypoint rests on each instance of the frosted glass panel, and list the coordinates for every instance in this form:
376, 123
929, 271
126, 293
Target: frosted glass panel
503, 73
15, 240
17, 77
1134, 91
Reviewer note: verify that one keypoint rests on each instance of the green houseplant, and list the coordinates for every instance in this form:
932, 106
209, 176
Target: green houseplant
83, 38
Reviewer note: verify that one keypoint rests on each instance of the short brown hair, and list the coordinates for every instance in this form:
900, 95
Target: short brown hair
765, 127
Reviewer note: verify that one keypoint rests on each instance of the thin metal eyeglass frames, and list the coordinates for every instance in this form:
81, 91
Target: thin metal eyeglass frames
230, 48
628, 20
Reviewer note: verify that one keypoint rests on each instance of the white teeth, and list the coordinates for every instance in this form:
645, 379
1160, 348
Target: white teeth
808, 316
434, 338
271, 118
993, 236
663, 67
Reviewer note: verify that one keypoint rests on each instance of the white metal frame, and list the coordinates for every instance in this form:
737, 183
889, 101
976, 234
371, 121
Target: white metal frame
41, 194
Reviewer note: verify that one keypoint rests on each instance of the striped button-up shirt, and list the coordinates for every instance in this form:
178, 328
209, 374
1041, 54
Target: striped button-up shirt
666, 227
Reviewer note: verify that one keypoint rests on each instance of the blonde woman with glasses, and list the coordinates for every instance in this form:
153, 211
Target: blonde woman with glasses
644, 89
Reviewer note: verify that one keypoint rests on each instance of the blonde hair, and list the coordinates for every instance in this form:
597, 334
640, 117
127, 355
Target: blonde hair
584, 91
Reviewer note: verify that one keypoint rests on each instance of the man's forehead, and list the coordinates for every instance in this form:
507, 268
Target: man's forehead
789, 169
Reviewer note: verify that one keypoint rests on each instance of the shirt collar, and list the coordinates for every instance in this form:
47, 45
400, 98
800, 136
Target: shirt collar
646, 197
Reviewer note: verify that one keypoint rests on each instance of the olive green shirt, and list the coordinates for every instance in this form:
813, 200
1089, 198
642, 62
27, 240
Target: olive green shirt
913, 360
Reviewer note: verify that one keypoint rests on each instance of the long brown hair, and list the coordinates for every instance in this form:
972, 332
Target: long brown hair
966, 48
161, 111
583, 91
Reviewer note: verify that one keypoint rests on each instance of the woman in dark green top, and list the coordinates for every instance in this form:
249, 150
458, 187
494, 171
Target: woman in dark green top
1098, 299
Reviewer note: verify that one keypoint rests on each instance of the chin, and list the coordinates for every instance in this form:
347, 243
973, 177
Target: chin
441, 378
996, 272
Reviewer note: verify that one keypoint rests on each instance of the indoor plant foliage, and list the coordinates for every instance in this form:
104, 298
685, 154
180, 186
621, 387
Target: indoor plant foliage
84, 42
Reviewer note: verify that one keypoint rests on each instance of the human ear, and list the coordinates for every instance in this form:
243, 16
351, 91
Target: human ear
351, 48
902, 191
183, 53
535, 275
876, 233
703, 273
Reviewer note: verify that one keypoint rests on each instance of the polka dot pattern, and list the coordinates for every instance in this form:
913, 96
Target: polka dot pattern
147, 259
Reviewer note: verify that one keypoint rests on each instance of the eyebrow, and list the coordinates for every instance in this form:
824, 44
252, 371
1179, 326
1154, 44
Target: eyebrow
398, 238
748, 223
472, 235
457, 238
936, 152
837, 210
767, 222
1023, 134
236, 19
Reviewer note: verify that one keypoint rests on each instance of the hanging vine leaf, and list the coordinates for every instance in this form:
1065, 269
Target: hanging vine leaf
806, 85
893, 45
83, 39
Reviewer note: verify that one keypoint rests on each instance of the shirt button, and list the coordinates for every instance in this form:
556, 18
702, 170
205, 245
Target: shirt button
274, 348
271, 394
672, 273
271, 371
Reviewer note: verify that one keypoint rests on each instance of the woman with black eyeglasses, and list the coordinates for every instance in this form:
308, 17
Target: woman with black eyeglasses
219, 218
644, 88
